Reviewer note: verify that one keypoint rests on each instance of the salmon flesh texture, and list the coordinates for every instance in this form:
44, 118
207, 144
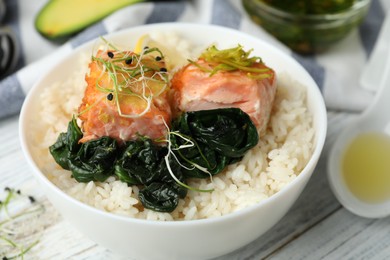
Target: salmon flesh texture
194, 89
101, 116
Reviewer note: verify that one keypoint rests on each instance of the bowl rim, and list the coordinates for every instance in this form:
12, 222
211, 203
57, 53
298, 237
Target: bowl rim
319, 140
350, 12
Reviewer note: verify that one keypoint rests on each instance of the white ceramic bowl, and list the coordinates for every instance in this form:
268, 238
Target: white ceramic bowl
196, 239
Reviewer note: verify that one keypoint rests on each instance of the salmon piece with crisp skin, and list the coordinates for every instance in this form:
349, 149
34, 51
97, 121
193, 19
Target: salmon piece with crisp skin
195, 89
119, 110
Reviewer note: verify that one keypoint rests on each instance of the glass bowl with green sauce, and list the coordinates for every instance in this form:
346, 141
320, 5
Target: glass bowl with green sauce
308, 27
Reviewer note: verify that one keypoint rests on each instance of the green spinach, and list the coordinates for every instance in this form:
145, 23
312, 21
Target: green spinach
221, 137
67, 144
142, 163
217, 138
139, 162
160, 197
95, 160
89, 161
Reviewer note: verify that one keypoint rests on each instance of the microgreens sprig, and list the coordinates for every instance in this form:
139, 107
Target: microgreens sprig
131, 74
230, 60
188, 143
13, 212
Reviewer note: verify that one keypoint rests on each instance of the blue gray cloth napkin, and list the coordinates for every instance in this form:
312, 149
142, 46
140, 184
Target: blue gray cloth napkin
336, 72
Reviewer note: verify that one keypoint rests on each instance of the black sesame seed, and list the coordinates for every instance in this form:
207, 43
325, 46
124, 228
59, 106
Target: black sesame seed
163, 70
5, 258
146, 47
18, 192
110, 54
31, 198
110, 96
158, 58
7, 189
129, 61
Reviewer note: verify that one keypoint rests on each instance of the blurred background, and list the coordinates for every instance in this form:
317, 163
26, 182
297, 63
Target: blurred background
333, 44
334, 48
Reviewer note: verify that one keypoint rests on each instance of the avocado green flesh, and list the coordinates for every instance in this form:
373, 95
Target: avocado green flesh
61, 18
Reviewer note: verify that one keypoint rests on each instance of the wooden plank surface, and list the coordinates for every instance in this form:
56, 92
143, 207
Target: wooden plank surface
316, 227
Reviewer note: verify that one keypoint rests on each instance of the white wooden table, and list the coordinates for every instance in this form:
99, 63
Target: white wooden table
316, 227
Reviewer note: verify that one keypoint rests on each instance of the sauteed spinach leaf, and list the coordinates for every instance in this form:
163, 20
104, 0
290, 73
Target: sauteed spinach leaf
89, 161
142, 163
201, 143
139, 162
221, 137
160, 197
95, 160
66, 144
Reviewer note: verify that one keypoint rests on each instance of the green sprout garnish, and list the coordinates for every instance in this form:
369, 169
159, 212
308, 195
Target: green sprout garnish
14, 241
230, 60
131, 75
189, 143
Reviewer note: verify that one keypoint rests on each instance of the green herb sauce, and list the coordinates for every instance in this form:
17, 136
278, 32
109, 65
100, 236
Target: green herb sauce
311, 6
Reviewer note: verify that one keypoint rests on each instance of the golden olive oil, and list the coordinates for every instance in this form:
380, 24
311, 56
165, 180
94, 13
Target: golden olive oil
366, 167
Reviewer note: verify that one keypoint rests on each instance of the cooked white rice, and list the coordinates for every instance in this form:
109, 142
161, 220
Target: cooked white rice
279, 157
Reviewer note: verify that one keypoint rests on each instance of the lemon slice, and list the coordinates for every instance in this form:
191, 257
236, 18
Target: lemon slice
141, 44
173, 57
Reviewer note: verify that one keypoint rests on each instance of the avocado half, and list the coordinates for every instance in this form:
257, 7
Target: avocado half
59, 19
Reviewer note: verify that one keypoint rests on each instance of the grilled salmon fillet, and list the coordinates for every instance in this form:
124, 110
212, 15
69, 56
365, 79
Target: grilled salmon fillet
194, 88
126, 97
